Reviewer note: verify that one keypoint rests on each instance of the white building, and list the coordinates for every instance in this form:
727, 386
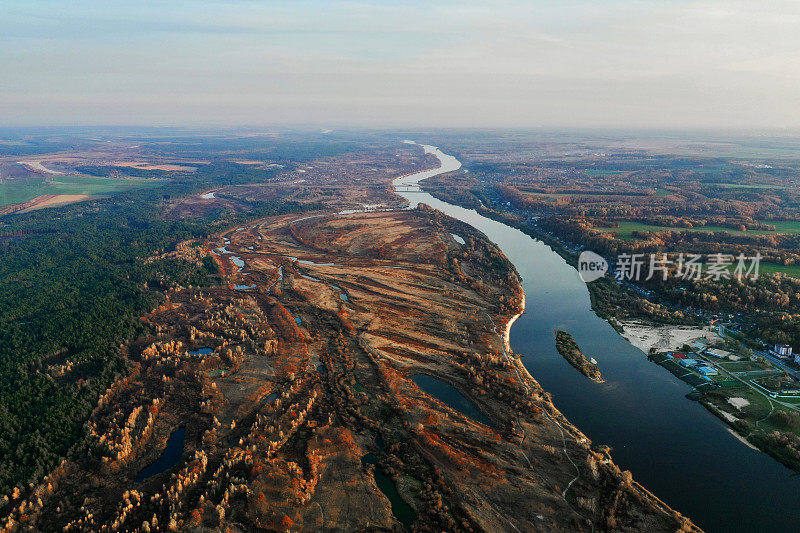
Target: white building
784, 351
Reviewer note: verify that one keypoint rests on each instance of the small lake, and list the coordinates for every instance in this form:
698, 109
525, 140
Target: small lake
201, 351
169, 457
244, 287
449, 395
400, 509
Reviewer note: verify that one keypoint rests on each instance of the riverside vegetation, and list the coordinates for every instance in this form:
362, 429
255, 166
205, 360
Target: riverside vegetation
570, 351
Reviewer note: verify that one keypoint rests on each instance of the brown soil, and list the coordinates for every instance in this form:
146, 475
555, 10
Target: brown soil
45, 200
149, 166
416, 302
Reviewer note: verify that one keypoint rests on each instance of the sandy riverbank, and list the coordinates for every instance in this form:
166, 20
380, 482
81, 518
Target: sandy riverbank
646, 336
507, 333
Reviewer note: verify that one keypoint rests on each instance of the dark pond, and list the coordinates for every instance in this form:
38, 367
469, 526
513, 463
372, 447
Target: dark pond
449, 395
169, 457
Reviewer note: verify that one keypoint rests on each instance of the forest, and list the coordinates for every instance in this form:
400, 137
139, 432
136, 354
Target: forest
73, 285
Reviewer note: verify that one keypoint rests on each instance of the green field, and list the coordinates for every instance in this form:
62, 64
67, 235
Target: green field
750, 186
15, 191
742, 366
598, 172
626, 228
770, 268
773, 268
784, 226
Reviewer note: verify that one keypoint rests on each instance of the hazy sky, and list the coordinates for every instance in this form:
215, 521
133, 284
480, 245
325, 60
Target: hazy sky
636, 63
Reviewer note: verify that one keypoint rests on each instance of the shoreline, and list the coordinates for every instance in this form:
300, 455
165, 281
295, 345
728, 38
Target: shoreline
645, 334
568, 428
507, 332
744, 441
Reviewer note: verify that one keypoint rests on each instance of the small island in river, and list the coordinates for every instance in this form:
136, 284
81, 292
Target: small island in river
570, 351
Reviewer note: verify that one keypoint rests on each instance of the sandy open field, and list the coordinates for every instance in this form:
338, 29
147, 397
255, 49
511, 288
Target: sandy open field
58, 199
37, 166
663, 338
147, 166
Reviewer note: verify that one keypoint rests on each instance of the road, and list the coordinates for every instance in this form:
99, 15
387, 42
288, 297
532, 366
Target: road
735, 376
779, 363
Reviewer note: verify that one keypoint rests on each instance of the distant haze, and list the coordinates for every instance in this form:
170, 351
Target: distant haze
561, 63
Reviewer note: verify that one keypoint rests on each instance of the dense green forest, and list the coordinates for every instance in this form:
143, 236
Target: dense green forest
72, 286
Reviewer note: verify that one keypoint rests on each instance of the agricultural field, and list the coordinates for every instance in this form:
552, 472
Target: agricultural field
743, 366
752, 186
785, 226
17, 191
627, 228
771, 268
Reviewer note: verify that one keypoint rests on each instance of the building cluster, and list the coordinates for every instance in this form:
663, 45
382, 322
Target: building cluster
784, 351
698, 366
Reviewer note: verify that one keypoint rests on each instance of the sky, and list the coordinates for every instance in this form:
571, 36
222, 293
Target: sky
720, 64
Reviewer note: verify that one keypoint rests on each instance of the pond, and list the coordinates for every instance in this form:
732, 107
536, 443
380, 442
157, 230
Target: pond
449, 395
458, 238
400, 509
169, 457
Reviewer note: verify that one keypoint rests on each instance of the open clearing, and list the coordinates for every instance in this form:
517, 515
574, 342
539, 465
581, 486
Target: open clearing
37, 166
53, 200
148, 166
739, 403
18, 191
663, 338
627, 227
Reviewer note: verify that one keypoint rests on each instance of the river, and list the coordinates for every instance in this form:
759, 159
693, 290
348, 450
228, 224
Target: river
673, 446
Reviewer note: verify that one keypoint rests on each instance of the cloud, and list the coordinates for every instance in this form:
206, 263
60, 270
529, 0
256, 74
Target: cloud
703, 63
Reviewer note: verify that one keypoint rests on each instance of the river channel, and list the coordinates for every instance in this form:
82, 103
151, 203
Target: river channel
673, 446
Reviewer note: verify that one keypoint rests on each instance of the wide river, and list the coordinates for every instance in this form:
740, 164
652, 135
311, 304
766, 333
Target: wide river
673, 446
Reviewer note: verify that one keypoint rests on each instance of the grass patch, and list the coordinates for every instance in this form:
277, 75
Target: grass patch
784, 226
741, 366
751, 186
600, 172
771, 268
627, 227
21, 190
